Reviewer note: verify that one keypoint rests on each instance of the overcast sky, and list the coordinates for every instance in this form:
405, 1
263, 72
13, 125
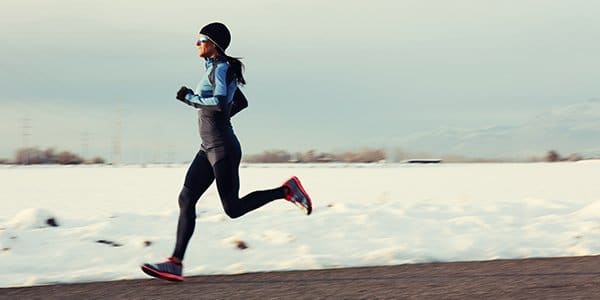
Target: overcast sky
323, 75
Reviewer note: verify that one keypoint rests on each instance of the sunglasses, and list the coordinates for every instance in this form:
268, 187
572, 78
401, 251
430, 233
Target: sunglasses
202, 39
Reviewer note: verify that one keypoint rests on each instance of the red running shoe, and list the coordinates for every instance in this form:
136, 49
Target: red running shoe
297, 195
168, 270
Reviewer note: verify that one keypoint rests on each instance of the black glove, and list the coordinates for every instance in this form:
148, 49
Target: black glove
183, 91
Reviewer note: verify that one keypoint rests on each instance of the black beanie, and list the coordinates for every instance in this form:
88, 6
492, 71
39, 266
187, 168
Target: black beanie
218, 33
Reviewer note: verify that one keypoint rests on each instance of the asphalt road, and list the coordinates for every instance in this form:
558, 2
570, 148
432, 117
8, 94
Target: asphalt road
541, 278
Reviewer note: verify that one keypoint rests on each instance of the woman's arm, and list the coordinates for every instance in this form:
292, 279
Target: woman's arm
210, 103
218, 101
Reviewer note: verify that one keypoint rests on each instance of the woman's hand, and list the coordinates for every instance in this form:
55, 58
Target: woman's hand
183, 91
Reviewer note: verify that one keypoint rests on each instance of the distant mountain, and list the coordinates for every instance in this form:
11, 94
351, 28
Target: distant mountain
569, 129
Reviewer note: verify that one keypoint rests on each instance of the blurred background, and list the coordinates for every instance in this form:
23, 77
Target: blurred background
496, 80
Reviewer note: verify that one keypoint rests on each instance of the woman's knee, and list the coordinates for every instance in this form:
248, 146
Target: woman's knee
187, 200
233, 211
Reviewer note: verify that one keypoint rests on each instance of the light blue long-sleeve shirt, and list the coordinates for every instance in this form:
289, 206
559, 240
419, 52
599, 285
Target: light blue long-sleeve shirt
213, 96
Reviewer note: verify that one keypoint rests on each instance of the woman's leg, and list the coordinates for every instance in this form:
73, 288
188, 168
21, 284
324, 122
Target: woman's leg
197, 180
226, 171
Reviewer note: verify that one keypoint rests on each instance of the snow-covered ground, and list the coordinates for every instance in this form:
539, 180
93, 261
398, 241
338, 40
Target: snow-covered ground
112, 219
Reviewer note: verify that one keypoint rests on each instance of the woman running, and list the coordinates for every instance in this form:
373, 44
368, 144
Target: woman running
218, 98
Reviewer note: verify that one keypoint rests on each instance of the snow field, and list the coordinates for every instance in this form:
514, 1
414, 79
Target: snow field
111, 220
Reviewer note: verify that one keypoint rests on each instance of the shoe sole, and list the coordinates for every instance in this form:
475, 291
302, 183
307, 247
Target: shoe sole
308, 210
161, 275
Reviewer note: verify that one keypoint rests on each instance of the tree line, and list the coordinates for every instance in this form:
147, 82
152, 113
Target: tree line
35, 156
30, 156
312, 156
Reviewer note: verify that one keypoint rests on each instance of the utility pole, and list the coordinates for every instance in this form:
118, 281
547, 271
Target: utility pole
84, 144
171, 154
25, 136
116, 159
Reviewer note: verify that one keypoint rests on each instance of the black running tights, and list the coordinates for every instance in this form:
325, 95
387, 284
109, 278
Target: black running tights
220, 164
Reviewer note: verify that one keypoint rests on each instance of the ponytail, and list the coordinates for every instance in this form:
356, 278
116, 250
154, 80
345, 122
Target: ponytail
236, 69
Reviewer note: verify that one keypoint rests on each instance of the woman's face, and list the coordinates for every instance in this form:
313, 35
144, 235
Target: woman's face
206, 48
